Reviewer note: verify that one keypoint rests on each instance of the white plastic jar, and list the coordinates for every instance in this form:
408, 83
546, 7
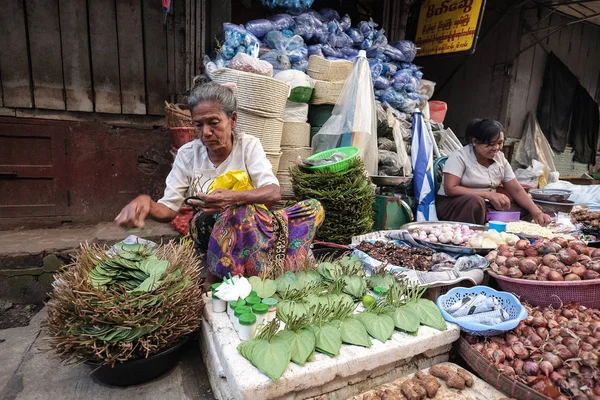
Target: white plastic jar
247, 326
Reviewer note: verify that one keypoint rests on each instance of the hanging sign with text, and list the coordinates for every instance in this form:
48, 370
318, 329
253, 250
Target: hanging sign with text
448, 26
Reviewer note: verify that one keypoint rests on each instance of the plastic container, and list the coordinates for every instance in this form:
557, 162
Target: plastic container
300, 94
252, 300
246, 326
507, 301
218, 305
504, 216
236, 315
379, 292
231, 306
253, 294
437, 110
260, 310
272, 304
498, 226
183, 135
339, 166
555, 294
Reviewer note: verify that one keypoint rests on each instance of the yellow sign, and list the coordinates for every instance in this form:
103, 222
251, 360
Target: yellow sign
448, 26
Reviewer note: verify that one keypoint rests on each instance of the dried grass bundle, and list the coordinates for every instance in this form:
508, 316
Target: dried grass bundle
111, 324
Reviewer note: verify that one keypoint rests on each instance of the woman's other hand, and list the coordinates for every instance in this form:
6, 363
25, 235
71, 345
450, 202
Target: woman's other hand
499, 201
542, 219
214, 203
134, 213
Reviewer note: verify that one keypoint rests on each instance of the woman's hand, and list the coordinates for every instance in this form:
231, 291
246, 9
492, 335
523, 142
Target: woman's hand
216, 202
499, 201
541, 218
134, 213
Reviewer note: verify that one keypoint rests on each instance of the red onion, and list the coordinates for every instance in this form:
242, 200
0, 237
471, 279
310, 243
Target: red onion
521, 244
510, 338
589, 359
531, 368
518, 366
568, 256
509, 353
508, 370
546, 367
553, 359
498, 356
563, 352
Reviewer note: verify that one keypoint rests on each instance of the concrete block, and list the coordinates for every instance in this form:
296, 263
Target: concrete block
355, 370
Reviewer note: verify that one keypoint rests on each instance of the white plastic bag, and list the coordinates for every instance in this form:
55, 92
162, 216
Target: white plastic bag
295, 78
296, 112
404, 159
354, 118
530, 175
233, 289
535, 146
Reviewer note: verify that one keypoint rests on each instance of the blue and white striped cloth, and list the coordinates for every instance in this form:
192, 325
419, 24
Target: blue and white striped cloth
423, 173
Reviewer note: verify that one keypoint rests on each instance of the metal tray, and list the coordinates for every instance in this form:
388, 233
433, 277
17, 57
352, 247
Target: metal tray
553, 195
382, 180
449, 248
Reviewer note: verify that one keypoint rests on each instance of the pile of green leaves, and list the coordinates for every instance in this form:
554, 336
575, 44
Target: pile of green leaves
346, 196
114, 307
318, 308
134, 266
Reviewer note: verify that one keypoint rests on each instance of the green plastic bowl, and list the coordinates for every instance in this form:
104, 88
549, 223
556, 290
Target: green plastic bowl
300, 94
339, 166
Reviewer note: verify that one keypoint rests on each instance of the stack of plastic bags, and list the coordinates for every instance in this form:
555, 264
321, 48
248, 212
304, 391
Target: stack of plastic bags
286, 41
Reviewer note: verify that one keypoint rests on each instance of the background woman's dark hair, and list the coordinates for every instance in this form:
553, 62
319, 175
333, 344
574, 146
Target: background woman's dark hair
482, 130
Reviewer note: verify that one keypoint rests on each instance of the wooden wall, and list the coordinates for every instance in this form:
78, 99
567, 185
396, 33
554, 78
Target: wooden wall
577, 46
104, 56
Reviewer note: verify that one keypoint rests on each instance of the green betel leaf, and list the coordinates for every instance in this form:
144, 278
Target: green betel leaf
430, 315
263, 289
385, 281
406, 318
330, 271
286, 281
328, 339
302, 343
354, 332
272, 358
355, 286
381, 326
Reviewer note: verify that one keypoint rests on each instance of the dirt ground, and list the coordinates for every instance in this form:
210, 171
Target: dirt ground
15, 315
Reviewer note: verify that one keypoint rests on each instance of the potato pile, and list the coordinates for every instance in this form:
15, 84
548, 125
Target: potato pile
586, 217
547, 260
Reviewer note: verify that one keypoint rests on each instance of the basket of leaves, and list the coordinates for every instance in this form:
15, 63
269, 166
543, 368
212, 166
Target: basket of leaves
125, 310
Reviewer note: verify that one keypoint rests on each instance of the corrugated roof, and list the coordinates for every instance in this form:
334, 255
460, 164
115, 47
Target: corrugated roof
588, 10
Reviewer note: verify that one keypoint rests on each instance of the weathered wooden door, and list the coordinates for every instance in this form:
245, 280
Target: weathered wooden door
33, 169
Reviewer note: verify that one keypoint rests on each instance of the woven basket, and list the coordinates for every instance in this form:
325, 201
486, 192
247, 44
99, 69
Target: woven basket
326, 92
546, 293
176, 117
256, 92
285, 183
295, 134
290, 154
326, 70
267, 130
273, 158
489, 373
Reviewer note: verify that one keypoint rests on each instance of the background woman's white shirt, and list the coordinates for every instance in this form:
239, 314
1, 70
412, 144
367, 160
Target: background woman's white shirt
463, 164
192, 162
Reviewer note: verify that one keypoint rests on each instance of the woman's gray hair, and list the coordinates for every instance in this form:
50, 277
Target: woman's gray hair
213, 92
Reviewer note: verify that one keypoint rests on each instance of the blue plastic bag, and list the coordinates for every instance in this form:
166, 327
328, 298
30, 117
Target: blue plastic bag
306, 25
407, 48
278, 59
288, 3
346, 22
287, 33
393, 53
390, 69
339, 40
329, 14
376, 68
282, 21
315, 49
259, 27
329, 51
418, 75
349, 52
356, 35
381, 82
321, 35
301, 65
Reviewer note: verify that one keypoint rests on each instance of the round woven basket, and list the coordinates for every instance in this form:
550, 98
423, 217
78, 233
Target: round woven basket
328, 70
555, 294
256, 92
326, 92
273, 158
267, 130
285, 183
290, 154
176, 116
295, 134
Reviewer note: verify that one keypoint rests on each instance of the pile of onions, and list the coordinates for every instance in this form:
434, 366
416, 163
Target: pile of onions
547, 260
554, 351
456, 234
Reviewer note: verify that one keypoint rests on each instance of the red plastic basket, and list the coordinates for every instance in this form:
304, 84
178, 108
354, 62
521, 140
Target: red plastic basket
183, 135
544, 293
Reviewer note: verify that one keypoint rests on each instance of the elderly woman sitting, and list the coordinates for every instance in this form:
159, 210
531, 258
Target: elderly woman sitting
235, 229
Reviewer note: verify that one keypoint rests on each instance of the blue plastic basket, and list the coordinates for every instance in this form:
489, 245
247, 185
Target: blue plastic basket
507, 301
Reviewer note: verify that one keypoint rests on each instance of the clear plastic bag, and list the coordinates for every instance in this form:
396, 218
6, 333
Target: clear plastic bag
315, 50
295, 78
282, 21
354, 118
329, 14
356, 35
349, 52
297, 112
244, 62
426, 88
389, 164
278, 59
381, 82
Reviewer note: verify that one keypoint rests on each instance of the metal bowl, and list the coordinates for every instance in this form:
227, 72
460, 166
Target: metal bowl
554, 207
449, 247
552, 195
383, 180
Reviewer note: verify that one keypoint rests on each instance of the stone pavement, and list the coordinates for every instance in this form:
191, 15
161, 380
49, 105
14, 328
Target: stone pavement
26, 373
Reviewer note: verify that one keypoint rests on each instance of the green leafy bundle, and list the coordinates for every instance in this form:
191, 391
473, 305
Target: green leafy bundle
346, 196
128, 305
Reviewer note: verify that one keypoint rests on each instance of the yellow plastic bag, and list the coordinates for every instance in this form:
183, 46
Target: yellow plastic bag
236, 180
